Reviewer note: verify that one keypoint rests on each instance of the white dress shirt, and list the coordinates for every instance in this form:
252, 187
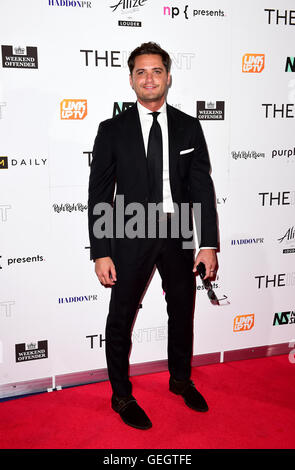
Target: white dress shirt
146, 120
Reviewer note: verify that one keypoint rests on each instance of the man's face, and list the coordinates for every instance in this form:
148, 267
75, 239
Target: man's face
149, 79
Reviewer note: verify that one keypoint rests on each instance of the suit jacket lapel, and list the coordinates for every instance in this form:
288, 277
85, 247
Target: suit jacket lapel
135, 131
135, 143
173, 130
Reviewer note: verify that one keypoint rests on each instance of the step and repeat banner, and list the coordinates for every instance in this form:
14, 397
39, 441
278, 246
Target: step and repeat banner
64, 70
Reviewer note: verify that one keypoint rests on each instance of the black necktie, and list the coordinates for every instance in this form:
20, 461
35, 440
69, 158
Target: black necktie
155, 161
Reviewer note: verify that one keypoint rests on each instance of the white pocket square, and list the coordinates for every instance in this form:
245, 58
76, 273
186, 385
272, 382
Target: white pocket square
184, 152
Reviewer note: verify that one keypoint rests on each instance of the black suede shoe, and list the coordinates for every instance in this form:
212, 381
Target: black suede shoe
188, 391
130, 412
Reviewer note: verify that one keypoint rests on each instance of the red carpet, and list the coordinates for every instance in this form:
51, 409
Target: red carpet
251, 406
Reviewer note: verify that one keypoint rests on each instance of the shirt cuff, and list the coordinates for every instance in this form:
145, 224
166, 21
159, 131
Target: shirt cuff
208, 248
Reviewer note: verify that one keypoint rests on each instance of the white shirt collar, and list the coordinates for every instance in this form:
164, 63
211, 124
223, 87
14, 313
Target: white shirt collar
144, 111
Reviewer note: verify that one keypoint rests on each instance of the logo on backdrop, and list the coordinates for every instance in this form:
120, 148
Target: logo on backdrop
288, 153
151, 334
247, 241
210, 110
73, 109
182, 61
89, 155
77, 299
288, 240
284, 17
69, 3
243, 322
3, 162
276, 280
93, 342
132, 23
4, 214
246, 154
105, 58
6, 309
290, 64
173, 12
283, 111
21, 162
220, 201
25, 260
284, 318
69, 207
121, 106
128, 8
31, 351
253, 63
19, 57
281, 198
117, 58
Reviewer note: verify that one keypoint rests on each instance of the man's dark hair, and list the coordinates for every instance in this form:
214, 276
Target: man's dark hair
149, 48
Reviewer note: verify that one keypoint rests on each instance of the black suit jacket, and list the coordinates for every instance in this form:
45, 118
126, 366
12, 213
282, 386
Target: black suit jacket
119, 160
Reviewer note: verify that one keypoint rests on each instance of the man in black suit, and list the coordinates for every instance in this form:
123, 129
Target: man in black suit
151, 154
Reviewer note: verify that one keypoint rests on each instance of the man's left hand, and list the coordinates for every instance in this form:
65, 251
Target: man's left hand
208, 257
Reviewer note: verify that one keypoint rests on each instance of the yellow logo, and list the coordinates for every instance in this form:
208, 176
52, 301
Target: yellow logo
3, 162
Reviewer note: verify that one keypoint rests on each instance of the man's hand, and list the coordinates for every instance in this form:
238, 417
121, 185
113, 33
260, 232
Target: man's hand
105, 271
208, 257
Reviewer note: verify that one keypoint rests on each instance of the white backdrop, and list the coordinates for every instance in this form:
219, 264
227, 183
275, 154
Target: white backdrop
56, 55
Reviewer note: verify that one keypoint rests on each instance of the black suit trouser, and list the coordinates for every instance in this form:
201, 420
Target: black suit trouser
134, 262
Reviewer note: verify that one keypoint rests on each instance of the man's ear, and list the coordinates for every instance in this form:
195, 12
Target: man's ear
130, 80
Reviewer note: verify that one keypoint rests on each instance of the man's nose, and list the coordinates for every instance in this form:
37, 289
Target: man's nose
149, 77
